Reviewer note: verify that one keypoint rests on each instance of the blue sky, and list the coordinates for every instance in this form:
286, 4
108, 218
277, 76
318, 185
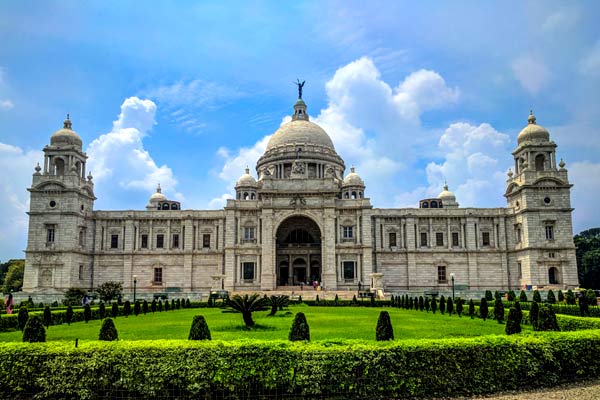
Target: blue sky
187, 93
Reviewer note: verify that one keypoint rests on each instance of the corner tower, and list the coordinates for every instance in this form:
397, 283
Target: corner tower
539, 196
60, 236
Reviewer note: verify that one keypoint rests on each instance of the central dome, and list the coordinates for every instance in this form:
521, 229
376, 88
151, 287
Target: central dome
300, 132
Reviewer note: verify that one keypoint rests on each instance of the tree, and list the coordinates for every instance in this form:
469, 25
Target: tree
442, 304
69, 315
591, 298
87, 313
47, 317
427, 304
546, 320
278, 302
199, 329
497, 295
421, 303
513, 324
336, 301
22, 317
511, 295
145, 307
517, 308
127, 308
561, 296
102, 310
34, 330
587, 245
246, 306
483, 308
160, 305
533, 314
450, 306
167, 305
523, 297
433, 304
551, 298
471, 309
173, 305
109, 291
584, 308
300, 329
73, 296
108, 331
499, 311
384, 330
410, 303
13, 279
488, 295
570, 297
459, 307
137, 308
153, 306
115, 310
178, 304
537, 297
188, 304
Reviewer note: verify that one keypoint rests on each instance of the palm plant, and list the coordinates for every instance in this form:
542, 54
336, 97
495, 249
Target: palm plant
278, 302
247, 305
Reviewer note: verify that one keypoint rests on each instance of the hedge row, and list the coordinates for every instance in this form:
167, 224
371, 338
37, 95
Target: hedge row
560, 308
253, 369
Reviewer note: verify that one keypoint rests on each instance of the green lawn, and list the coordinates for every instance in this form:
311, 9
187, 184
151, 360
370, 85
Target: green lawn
326, 323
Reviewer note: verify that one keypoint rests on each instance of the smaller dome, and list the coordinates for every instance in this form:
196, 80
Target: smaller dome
158, 196
246, 179
533, 132
353, 179
446, 194
66, 136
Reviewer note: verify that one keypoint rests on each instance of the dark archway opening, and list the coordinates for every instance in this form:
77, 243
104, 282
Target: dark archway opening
298, 251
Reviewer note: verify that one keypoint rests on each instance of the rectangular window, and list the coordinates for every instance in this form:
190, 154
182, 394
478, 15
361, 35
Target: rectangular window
347, 232
206, 241
442, 274
50, 235
160, 241
439, 239
518, 235
551, 255
519, 272
175, 241
485, 238
249, 233
144, 241
348, 270
82, 237
248, 271
455, 239
80, 272
114, 241
549, 232
423, 239
158, 276
392, 239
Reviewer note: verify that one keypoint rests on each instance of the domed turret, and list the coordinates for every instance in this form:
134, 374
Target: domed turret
158, 201
448, 198
246, 180
533, 132
157, 196
353, 186
66, 136
246, 186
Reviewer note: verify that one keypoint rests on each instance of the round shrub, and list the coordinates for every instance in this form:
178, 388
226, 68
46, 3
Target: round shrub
591, 298
22, 317
69, 315
108, 331
47, 317
384, 329
34, 330
137, 308
546, 320
537, 296
483, 309
561, 296
533, 314
199, 329
499, 311
551, 298
145, 307
300, 329
102, 311
513, 324
87, 313
523, 297
115, 310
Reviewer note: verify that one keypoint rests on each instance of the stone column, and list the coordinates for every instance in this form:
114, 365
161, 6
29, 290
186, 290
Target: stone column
329, 276
268, 274
187, 240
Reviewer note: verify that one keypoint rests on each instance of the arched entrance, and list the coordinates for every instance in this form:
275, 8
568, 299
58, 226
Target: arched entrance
553, 277
298, 250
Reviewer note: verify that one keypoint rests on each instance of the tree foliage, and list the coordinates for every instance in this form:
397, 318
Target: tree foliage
73, 296
47, 316
523, 297
483, 308
537, 297
199, 329
246, 305
277, 303
587, 245
109, 291
34, 330
513, 323
23, 317
300, 329
384, 329
498, 311
13, 278
108, 331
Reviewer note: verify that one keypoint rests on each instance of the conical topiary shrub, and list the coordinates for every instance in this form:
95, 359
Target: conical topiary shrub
87, 313
499, 311
513, 325
115, 310
483, 309
384, 329
488, 295
561, 296
442, 304
145, 307
167, 305
160, 306
188, 303
551, 298
22, 317
523, 297
427, 304
34, 330
137, 308
127, 308
199, 329
511, 295
47, 316
537, 297
421, 303
300, 329
69, 315
533, 314
449, 306
517, 308
471, 309
570, 298
433, 304
102, 311
108, 331
546, 320
153, 306
459, 307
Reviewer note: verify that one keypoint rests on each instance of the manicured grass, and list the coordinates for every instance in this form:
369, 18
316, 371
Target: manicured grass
326, 323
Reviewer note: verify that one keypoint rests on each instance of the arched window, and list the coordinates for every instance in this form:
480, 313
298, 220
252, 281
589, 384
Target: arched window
174, 206
346, 195
360, 194
245, 195
425, 204
165, 206
59, 164
354, 195
434, 204
553, 276
252, 196
239, 195
540, 160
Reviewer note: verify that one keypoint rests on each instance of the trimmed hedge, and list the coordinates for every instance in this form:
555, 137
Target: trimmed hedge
252, 369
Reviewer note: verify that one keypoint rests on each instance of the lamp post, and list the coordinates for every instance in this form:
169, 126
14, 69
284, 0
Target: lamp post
452, 277
134, 287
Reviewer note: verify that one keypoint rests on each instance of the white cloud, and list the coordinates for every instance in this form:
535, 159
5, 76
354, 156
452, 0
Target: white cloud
590, 64
532, 73
118, 158
6, 104
584, 198
563, 19
219, 202
14, 197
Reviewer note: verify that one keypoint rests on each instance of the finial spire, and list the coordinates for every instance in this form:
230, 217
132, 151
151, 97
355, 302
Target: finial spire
158, 189
352, 169
247, 170
445, 185
531, 119
67, 123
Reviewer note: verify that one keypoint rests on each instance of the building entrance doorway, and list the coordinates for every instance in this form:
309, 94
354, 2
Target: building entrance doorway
298, 249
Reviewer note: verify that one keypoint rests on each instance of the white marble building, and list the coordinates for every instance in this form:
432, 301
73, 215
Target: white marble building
301, 221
